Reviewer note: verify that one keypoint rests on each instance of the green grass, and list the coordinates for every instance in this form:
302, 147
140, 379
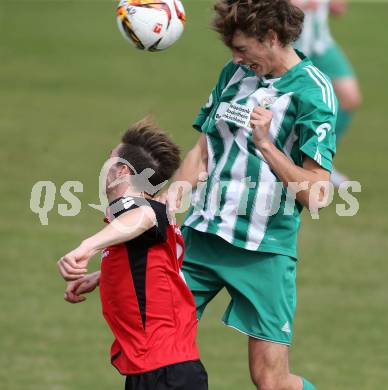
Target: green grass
69, 86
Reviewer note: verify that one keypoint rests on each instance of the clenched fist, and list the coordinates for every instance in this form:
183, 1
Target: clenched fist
74, 265
260, 122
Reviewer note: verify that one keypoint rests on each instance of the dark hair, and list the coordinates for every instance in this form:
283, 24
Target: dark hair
255, 18
144, 145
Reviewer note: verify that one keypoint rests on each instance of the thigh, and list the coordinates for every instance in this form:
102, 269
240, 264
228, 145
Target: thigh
189, 375
263, 291
268, 365
199, 273
145, 381
261, 285
267, 356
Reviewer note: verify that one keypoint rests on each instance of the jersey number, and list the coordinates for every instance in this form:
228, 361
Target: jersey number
322, 131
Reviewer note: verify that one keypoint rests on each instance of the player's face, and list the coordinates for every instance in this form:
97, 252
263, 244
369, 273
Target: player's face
259, 56
115, 170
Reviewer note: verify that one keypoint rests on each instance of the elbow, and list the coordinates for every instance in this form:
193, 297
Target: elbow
318, 203
315, 201
315, 205
317, 197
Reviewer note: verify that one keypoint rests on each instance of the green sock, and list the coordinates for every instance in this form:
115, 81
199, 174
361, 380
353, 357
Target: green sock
307, 385
343, 120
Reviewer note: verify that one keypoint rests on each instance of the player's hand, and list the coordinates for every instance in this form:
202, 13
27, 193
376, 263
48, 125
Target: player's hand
70, 292
173, 201
73, 265
260, 122
75, 289
338, 7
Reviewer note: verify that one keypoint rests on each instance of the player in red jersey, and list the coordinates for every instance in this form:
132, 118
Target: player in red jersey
145, 300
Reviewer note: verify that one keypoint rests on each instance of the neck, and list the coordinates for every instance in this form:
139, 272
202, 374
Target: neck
287, 60
118, 192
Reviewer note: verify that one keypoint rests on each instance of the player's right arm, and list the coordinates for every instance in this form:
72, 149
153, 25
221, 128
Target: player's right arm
194, 163
125, 227
192, 170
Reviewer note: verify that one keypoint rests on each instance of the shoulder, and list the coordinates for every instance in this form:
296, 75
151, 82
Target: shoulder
148, 215
230, 67
161, 218
159, 209
316, 90
228, 70
126, 204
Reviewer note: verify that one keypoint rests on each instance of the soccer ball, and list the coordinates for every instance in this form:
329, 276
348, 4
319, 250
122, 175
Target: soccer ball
151, 25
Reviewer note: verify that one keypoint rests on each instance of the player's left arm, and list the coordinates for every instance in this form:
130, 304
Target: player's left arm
125, 227
76, 289
300, 180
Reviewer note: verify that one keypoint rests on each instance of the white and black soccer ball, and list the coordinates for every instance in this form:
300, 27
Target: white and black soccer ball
151, 25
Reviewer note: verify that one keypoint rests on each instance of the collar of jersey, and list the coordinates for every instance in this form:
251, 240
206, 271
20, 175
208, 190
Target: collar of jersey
269, 79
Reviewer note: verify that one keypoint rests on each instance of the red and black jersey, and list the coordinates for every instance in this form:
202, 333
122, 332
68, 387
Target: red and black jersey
145, 299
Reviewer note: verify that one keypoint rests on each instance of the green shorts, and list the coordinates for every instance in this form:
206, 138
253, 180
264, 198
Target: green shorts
333, 62
261, 285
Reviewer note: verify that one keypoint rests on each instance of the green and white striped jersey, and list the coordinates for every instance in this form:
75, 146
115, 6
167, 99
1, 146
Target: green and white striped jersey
315, 38
243, 201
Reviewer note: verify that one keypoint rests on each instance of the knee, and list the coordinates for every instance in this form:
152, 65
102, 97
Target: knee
268, 364
349, 95
351, 101
267, 381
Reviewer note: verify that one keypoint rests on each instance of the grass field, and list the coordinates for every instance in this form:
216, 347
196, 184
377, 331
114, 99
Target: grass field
69, 86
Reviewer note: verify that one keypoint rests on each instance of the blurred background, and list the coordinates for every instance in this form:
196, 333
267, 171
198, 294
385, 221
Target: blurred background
69, 86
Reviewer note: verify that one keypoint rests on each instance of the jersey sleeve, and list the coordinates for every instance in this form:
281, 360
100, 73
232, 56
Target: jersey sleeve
155, 235
214, 97
315, 126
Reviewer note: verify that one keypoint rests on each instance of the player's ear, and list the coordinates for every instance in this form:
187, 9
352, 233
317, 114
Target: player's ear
272, 38
124, 170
